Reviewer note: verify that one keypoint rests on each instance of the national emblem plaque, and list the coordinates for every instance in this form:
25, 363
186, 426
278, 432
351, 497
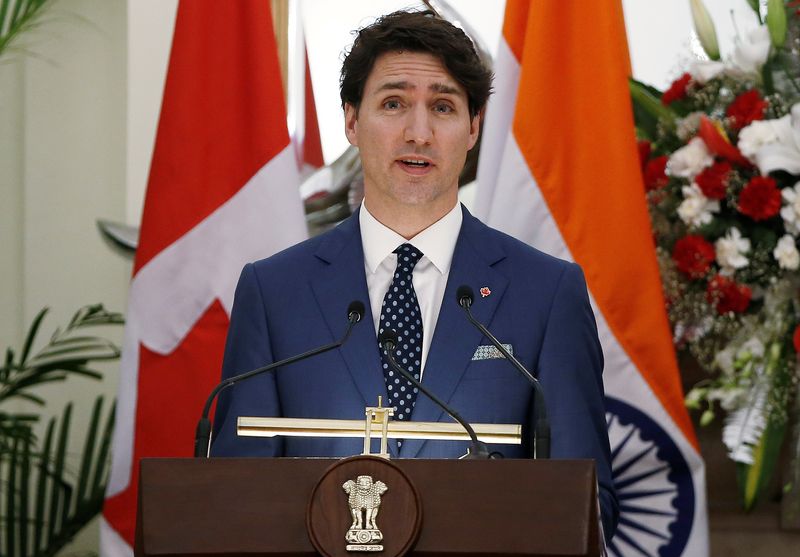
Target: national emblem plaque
343, 511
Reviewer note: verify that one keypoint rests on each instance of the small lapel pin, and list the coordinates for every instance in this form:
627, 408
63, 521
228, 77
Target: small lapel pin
485, 291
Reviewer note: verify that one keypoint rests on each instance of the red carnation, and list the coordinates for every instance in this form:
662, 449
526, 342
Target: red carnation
728, 296
796, 340
693, 256
677, 90
655, 175
746, 108
644, 148
760, 199
713, 181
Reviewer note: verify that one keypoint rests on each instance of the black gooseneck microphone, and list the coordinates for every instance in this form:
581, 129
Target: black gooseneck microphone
541, 424
202, 438
388, 342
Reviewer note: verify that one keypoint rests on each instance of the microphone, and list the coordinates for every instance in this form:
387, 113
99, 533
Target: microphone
541, 424
477, 449
202, 439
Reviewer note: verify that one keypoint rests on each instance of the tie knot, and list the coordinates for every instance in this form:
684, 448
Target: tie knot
407, 256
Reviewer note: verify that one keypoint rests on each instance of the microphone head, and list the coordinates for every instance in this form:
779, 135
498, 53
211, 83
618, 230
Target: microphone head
388, 339
464, 296
355, 311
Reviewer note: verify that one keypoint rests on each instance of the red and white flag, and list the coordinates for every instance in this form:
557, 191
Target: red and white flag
223, 190
559, 170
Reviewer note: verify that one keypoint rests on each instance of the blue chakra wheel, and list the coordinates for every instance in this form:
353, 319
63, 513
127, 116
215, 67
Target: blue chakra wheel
653, 482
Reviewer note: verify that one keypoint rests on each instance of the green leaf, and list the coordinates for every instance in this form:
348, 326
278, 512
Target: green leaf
23, 490
17, 8
23, 16
755, 477
56, 490
11, 503
5, 371
3, 11
93, 315
95, 350
647, 108
776, 22
26, 348
88, 450
100, 478
41, 488
31, 398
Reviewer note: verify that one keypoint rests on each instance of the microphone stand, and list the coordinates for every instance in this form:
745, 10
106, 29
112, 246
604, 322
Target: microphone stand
202, 439
541, 439
477, 449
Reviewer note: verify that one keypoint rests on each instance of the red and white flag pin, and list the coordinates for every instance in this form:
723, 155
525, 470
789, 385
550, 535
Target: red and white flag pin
485, 291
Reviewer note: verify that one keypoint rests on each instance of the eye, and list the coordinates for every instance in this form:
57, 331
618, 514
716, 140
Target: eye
391, 104
443, 108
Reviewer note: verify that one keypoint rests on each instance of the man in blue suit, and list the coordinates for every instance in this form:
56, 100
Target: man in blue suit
413, 90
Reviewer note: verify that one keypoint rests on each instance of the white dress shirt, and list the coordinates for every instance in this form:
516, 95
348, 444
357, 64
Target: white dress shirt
437, 243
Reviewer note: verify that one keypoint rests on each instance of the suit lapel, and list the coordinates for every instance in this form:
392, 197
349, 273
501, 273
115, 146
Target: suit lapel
340, 282
455, 338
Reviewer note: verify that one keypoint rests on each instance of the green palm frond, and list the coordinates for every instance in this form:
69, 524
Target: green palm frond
46, 500
45, 505
18, 16
69, 351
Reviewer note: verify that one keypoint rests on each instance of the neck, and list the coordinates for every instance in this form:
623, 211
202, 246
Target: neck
407, 221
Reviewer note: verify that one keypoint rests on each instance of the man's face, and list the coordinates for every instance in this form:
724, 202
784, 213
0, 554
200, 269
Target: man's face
413, 130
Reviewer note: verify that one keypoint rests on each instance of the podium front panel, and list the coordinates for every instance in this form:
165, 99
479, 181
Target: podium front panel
257, 506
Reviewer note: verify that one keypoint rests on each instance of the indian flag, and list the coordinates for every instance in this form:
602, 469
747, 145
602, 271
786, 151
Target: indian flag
559, 170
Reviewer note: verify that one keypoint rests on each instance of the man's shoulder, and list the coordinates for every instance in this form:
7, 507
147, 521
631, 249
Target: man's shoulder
514, 251
305, 255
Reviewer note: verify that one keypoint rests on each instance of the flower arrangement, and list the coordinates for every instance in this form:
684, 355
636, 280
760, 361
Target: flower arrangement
720, 153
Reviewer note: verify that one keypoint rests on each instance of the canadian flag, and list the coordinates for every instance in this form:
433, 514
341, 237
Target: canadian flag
559, 170
222, 191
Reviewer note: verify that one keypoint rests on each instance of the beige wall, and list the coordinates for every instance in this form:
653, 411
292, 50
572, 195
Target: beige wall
11, 196
62, 155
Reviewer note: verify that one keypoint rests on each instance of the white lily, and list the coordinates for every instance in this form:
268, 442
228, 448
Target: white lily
752, 51
784, 152
703, 71
704, 27
759, 133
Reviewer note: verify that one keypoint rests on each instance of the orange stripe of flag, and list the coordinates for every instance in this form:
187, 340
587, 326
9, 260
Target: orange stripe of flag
514, 23
574, 126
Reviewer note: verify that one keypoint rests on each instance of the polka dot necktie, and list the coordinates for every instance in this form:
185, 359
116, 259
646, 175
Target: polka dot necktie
400, 311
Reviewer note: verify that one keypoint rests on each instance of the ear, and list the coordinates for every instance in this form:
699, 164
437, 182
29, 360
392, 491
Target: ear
474, 129
351, 124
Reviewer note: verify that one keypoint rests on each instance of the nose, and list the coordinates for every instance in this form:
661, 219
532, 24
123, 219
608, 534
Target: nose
418, 126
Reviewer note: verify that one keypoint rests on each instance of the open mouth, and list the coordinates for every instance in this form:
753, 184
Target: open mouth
413, 163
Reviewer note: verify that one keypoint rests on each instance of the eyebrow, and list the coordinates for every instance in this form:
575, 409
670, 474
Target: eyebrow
435, 87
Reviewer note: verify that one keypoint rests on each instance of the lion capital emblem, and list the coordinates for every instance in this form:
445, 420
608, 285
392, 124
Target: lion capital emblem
364, 499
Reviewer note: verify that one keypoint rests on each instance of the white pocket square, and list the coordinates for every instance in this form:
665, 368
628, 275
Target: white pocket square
489, 352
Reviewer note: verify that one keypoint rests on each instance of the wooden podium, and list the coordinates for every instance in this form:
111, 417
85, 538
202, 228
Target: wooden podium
261, 506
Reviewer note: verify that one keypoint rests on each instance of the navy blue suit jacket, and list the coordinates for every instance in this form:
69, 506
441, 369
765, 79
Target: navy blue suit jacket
297, 300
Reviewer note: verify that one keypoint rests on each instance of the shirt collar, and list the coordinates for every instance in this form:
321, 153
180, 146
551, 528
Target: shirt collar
437, 242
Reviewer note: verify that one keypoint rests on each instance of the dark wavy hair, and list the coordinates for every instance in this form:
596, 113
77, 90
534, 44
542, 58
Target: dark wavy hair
415, 31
